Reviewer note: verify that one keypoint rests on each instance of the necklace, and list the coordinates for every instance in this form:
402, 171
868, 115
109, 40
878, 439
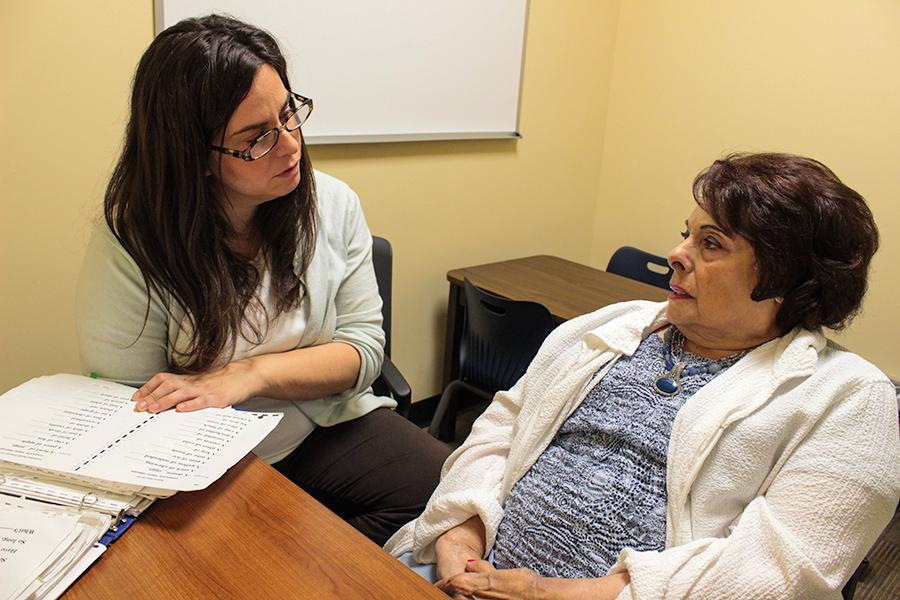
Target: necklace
669, 383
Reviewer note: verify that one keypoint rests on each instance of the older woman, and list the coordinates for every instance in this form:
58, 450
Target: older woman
714, 446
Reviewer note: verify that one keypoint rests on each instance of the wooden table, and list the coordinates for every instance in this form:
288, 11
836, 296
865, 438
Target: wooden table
568, 289
252, 534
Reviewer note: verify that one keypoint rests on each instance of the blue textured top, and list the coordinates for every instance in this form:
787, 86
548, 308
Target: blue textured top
600, 486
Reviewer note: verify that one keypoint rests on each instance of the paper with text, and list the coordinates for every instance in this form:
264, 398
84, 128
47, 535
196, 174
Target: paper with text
29, 541
41, 544
88, 427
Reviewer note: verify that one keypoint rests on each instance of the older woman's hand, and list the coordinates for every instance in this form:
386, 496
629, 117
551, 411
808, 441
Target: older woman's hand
458, 546
481, 580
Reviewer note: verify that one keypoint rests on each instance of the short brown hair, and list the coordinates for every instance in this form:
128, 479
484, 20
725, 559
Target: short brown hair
813, 236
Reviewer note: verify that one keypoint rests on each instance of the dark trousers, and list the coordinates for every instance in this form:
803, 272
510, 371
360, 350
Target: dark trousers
376, 472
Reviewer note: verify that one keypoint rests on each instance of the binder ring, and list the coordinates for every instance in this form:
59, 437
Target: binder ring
89, 498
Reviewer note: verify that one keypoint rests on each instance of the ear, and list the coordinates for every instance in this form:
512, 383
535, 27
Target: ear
212, 164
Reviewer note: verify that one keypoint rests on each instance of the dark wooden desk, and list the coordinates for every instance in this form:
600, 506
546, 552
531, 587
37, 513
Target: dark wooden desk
252, 534
568, 289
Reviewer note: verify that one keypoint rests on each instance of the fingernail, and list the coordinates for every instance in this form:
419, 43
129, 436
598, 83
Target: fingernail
140, 406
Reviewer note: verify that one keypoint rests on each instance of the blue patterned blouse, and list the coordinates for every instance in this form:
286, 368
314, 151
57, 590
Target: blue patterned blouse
600, 486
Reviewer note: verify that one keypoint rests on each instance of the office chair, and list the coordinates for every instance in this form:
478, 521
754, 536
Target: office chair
500, 339
635, 264
849, 588
391, 382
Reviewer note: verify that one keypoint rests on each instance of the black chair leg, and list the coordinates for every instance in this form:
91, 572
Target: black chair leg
850, 589
443, 424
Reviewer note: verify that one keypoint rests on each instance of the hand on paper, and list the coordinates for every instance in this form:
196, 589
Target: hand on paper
458, 546
232, 384
481, 580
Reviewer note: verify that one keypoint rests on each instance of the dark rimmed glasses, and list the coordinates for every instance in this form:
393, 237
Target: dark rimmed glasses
302, 107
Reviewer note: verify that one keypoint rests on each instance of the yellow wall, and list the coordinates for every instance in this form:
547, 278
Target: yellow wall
65, 72
453, 204
683, 82
693, 80
443, 205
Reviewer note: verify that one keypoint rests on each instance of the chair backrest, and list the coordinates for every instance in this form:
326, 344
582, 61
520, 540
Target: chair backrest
635, 264
500, 338
382, 260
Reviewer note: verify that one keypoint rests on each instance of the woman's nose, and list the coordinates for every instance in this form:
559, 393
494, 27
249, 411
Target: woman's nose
678, 257
288, 142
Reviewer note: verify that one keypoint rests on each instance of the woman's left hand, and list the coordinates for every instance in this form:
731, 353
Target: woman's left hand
482, 580
232, 384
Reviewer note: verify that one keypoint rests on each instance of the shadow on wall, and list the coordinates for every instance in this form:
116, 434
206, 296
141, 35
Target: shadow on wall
391, 150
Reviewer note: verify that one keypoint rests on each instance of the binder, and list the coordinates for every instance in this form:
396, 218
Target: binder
78, 465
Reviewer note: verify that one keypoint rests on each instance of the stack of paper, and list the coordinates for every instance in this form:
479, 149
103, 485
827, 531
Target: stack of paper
76, 442
19, 481
44, 547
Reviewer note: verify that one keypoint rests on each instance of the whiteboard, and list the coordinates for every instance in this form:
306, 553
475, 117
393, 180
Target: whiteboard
391, 70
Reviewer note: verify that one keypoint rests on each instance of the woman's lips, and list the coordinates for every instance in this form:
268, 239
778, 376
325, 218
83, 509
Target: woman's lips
289, 171
678, 293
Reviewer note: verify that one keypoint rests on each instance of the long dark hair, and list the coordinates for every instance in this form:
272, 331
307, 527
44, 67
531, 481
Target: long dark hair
165, 209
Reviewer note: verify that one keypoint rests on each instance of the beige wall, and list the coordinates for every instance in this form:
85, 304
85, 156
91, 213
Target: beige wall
446, 205
684, 82
65, 71
693, 80
443, 205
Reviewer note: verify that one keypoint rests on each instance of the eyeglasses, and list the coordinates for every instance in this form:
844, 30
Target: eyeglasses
265, 142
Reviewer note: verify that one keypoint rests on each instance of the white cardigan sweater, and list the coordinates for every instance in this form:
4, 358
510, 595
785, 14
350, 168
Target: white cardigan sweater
781, 472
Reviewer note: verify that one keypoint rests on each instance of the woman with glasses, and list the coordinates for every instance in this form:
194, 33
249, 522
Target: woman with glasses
228, 272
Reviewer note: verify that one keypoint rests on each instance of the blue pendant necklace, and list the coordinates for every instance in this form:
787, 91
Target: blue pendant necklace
669, 383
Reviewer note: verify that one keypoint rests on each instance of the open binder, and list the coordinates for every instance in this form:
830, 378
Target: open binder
75, 460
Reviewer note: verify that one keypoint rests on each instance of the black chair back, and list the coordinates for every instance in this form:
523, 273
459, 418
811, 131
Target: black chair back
382, 261
500, 338
391, 382
634, 263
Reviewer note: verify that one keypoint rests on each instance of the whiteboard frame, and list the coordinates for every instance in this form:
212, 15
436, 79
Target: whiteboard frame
314, 139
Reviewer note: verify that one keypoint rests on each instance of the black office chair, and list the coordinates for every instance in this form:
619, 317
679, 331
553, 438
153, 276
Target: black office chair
391, 382
850, 588
635, 264
500, 339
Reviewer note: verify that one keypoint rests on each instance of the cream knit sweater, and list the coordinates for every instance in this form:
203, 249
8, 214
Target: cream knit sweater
781, 472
